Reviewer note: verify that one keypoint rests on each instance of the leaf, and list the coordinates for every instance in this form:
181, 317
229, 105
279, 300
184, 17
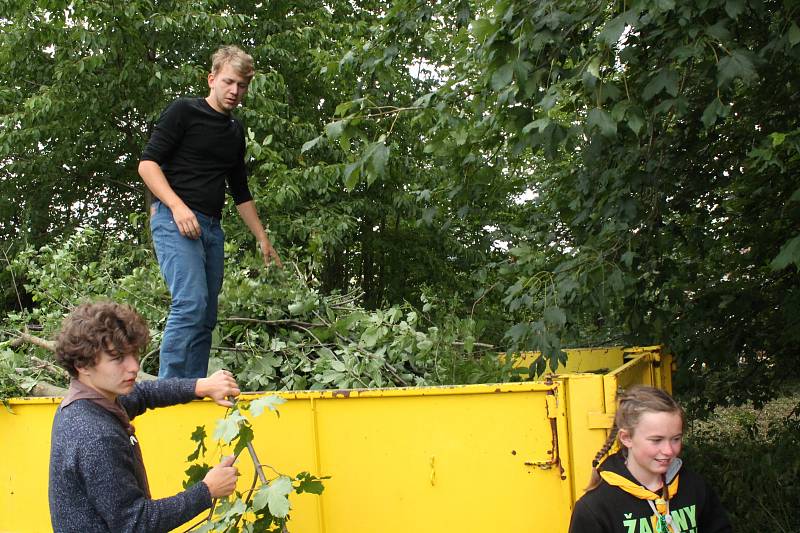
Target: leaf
195, 473
343, 108
793, 35
245, 438
423, 101
796, 196
370, 336
665, 80
734, 8
502, 77
635, 120
198, 436
600, 118
540, 124
376, 160
276, 495
352, 173
308, 145
777, 138
613, 29
790, 253
334, 129
228, 428
270, 402
309, 483
482, 28
555, 316
716, 109
736, 65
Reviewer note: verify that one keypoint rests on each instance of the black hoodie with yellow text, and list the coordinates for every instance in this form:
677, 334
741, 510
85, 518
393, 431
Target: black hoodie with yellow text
620, 504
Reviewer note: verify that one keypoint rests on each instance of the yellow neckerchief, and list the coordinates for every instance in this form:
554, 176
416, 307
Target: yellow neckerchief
640, 492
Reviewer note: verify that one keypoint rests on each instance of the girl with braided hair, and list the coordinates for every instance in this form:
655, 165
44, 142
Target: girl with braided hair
644, 487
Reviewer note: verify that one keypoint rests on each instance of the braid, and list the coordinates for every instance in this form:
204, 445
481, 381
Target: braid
607, 446
595, 479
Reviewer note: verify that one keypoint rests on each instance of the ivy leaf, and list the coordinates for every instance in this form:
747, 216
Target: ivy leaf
270, 402
736, 65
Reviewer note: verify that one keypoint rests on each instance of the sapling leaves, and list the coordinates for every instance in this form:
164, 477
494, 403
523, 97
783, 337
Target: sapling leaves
275, 497
228, 428
268, 509
309, 483
267, 402
198, 436
195, 473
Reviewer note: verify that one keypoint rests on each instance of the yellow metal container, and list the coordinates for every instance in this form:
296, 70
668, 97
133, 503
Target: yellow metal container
507, 457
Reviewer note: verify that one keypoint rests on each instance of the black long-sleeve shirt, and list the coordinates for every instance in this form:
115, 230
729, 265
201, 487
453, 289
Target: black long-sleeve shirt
198, 149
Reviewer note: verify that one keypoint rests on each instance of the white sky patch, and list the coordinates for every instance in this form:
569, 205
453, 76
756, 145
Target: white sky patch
528, 196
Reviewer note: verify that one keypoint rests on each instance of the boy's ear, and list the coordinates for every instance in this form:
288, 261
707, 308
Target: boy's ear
83, 369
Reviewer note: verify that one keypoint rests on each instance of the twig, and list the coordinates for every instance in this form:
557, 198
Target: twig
277, 322
36, 341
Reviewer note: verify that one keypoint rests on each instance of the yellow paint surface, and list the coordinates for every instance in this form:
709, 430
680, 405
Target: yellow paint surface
509, 457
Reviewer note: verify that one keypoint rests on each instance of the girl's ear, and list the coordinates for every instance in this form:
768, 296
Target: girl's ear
624, 437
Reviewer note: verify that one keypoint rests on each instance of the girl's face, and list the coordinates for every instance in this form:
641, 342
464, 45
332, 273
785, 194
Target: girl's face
652, 445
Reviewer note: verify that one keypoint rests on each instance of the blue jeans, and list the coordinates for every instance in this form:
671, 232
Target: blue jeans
193, 272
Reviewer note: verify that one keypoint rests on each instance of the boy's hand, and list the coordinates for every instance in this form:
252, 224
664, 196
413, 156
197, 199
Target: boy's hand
218, 386
221, 480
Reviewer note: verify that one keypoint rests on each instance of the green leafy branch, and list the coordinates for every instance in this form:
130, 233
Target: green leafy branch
265, 505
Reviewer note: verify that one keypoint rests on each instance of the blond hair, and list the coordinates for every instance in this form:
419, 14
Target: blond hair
234, 56
632, 404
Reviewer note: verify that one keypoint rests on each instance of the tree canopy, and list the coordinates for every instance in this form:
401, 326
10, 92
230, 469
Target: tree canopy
520, 175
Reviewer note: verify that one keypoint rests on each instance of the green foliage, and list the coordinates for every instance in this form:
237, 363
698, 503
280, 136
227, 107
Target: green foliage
547, 174
266, 506
275, 332
658, 147
752, 460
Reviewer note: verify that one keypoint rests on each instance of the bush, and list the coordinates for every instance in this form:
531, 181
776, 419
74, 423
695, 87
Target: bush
752, 459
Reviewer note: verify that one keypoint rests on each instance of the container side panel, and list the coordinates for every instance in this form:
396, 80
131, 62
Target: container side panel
588, 426
24, 460
592, 360
445, 463
423, 460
